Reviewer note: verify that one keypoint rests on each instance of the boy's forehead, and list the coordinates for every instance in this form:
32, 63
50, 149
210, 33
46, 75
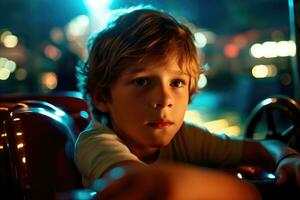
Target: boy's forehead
144, 67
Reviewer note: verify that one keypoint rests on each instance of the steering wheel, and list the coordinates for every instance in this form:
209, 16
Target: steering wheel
281, 115
288, 113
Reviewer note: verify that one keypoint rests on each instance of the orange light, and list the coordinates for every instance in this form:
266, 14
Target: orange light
231, 50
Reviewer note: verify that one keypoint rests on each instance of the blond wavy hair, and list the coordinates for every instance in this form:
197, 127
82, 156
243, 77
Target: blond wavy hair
132, 37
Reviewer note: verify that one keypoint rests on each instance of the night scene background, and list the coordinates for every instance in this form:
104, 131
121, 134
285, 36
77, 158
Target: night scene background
245, 47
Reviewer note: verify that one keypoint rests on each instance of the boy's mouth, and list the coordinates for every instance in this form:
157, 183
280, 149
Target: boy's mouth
161, 123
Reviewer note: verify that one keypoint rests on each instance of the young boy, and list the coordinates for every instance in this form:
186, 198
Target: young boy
139, 78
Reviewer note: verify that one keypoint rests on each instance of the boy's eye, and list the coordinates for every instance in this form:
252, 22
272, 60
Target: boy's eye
177, 83
141, 82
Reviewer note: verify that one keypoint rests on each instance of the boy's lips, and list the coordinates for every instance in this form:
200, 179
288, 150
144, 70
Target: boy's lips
161, 123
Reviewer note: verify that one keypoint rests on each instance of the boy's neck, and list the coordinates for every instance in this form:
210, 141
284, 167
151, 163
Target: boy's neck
146, 155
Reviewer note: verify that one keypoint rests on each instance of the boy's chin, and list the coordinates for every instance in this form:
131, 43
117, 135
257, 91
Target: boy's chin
161, 143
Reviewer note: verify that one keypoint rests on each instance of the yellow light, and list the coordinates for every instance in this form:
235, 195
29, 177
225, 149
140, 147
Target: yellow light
19, 133
10, 65
49, 80
216, 126
3, 135
264, 71
260, 71
192, 116
3, 62
232, 131
20, 145
270, 49
16, 119
256, 50
10, 41
4, 34
4, 74
292, 48
1, 147
24, 160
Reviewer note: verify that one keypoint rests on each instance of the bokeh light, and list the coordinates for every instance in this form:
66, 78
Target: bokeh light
10, 41
21, 74
49, 80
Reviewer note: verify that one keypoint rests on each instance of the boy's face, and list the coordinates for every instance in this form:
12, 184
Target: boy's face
148, 103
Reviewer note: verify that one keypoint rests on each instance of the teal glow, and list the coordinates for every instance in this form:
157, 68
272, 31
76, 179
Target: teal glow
117, 173
99, 185
271, 176
97, 5
84, 114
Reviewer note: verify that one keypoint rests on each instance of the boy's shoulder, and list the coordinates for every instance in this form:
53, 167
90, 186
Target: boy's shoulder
95, 128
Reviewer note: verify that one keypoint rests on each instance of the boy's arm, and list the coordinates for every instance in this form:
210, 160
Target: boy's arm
275, 156
133, 180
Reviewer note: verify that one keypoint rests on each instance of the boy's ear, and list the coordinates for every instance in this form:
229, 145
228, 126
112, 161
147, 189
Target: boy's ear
100, 102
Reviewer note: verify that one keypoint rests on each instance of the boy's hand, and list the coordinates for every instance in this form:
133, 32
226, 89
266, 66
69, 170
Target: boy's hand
288, 169
177, 182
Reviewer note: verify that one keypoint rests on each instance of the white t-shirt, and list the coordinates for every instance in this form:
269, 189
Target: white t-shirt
98, 148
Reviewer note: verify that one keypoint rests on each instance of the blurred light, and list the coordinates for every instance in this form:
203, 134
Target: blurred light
16, 119
272, 49
269, 49
24, 159
49, 80
116, 173
21, 74
239, 175
192, 116
1, 147
260, 71
99, 184
4, 74
77, 27
57, 35
231, 50
210, 36
232, 131
59, 112
52, 52
19, 133
99, 13
202, 82
20, 145
4, 34
256, 50
84, 114
264, 71
200, 40
3, 61
216, 126
240, 40
96, 5
3, 135
10, 65
10, 41
271, 176
286, 48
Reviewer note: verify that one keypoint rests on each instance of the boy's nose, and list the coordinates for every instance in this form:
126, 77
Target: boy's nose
161, 98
